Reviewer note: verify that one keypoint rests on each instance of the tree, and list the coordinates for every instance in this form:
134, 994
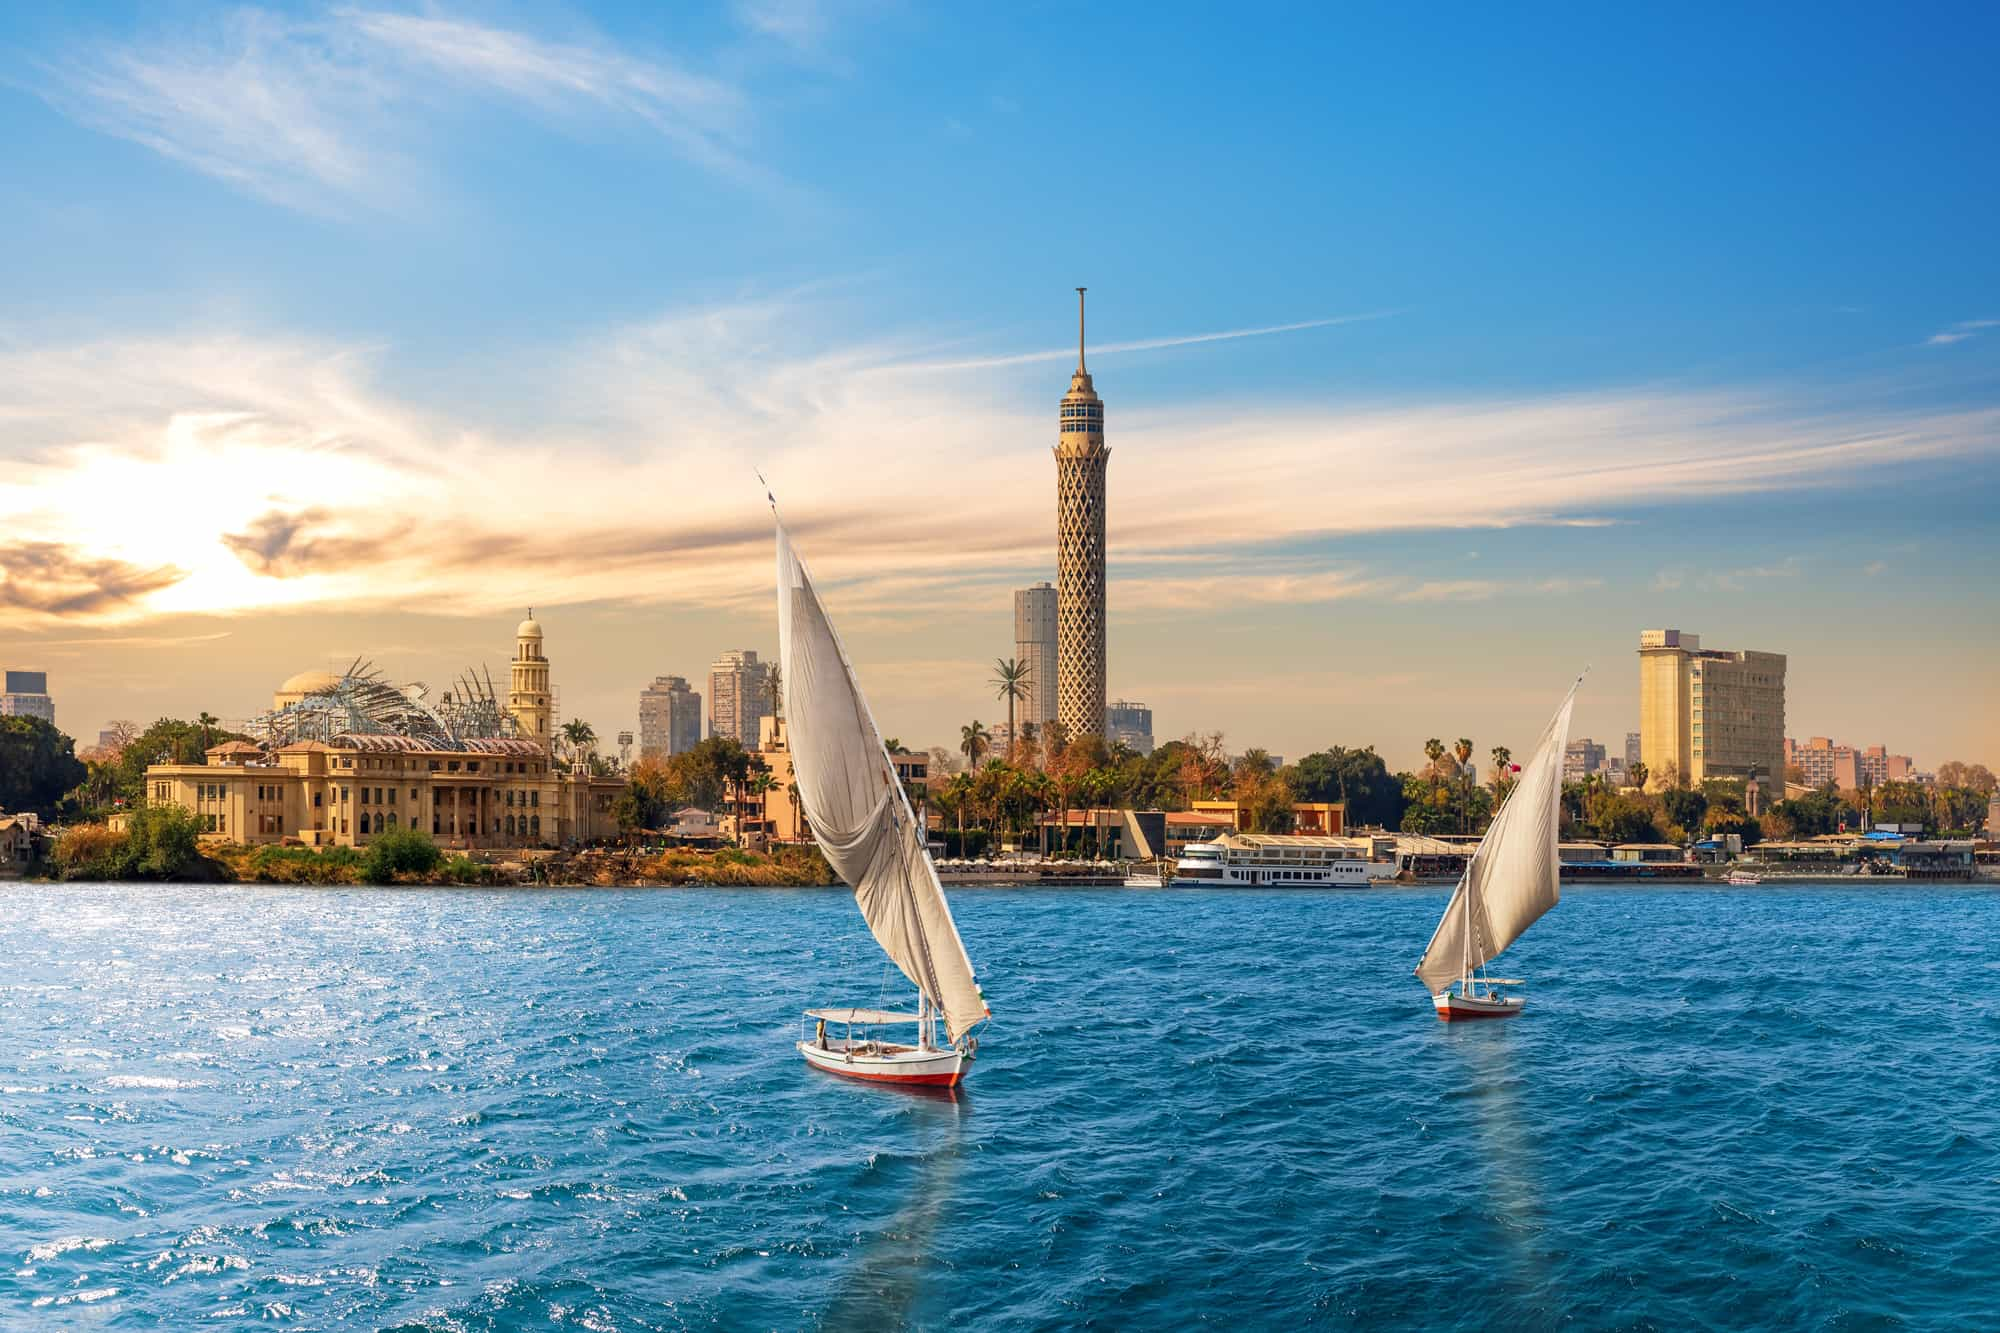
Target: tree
1684, 807
1434, 751
1010, 682
973, 742
1973, 777
207, 722
774, 688
1624, 819
38, 766
1636, 775
580, 735
1360, 779
400, 851
957, 794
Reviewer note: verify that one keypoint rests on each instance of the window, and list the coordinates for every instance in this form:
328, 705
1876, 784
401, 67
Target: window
343, 795
535, 798
535, 826
510, 796
510, 826
319, 799
392, 797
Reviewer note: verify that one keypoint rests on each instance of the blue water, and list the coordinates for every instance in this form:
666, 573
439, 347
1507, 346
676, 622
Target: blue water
479, 1110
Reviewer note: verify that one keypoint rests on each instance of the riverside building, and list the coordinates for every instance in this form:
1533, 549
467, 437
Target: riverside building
1080, 465
347, 757
669, 718
1709, 713
1845, 767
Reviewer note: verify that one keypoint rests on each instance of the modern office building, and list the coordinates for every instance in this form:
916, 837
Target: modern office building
27, 695
1035, 648
1080, 465
669, 718
739, 696
1632, 749
1707, 713
1582, 758
1129, 723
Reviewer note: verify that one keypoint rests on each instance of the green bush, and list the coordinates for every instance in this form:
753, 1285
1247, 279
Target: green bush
302, 865
400, 851
464, 870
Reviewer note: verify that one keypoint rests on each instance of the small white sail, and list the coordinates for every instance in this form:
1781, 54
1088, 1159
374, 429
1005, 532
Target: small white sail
1514, 874
858, 812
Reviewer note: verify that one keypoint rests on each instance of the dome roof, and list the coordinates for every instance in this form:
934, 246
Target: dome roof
309, 682
529, 628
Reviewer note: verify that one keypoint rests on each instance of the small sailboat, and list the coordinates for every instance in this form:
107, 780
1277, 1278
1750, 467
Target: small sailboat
863, 823
1510, 881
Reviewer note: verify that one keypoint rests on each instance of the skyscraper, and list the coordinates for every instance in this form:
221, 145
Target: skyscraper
1035, 648
1080, 461
739, 694
1130, 724
1709, 713
669, 718
27, 695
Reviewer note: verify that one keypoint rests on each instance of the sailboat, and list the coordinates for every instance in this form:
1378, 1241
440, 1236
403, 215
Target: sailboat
862, 820
1507, 885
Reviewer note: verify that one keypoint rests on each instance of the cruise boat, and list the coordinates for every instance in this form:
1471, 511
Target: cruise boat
1272, 860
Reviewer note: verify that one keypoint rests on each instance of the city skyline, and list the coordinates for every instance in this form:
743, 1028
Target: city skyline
267, 408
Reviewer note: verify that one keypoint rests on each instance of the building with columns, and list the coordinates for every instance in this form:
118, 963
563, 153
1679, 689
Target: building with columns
528, 697
1080, 465
341, 788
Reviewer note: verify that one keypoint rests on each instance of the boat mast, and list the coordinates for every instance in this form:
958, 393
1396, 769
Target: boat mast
1465, 935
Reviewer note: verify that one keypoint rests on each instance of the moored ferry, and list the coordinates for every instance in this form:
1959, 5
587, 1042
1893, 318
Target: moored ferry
1272, 860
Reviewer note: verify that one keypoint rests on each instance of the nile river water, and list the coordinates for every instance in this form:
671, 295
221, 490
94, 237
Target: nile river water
437, 1109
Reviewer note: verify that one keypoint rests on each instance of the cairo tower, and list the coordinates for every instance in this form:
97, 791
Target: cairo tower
1080, 460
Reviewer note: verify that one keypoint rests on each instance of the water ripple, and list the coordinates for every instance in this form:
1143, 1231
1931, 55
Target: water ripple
482, 1110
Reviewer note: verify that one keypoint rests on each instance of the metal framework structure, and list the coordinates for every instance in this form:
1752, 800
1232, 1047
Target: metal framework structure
364, 702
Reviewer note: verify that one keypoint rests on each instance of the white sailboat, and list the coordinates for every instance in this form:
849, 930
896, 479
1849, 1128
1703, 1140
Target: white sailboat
863, 823
1510, 881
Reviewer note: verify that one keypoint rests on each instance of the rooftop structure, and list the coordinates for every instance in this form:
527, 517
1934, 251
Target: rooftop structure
27, 695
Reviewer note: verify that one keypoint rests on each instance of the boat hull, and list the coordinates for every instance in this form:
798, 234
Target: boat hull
881, 1062
1453, 1007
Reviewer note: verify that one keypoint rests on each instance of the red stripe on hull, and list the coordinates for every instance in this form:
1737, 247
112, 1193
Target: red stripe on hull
1452, 1015
921, 1080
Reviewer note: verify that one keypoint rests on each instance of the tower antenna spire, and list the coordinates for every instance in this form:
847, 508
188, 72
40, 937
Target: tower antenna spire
1079, 327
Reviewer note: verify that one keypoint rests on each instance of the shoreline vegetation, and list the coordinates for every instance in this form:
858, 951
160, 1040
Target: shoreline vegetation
163, 845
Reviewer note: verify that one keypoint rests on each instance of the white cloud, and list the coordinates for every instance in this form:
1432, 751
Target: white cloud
1959, 332
330, 114
275, 472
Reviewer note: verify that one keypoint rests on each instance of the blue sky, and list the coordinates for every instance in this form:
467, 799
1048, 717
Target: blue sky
360, 327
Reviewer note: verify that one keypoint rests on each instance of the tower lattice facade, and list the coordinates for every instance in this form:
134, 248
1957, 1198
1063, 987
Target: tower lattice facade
1080, 465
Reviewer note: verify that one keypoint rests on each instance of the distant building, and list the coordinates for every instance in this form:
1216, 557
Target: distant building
1844, 766
1035, 649
669, 718
1581, 758
739, 696
27, 695
1130, 723
1632, 748
1707, 713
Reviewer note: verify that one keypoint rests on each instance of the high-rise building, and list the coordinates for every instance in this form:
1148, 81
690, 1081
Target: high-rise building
1035, 648
1706, 713
669, 718
1632, 749
739, 695
27, 695
1080, 462
1130, 723
528, 697
1581, 758
1821, 761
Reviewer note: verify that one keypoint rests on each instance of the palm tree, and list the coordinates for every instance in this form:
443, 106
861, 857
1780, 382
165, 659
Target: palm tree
761, 786
580, 735
1434, 751
774, 682
973, 741
1502, 758
1462, 751
1010, 682
1636, 775
959, 793
207, 723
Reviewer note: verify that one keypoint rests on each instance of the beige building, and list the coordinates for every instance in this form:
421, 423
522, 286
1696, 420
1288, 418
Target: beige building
780, 817
739, 696
1709, 713
1081, 460
669, 718
483, 792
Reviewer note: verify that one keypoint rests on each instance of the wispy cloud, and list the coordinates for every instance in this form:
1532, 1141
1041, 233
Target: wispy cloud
1143, 344
314, 486
1959, 332
336, 112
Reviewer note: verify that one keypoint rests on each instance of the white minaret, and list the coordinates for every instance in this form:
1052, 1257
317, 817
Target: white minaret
1080, 461
528, 687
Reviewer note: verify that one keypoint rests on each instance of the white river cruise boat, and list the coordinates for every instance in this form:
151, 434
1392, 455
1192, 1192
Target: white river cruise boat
1273, 860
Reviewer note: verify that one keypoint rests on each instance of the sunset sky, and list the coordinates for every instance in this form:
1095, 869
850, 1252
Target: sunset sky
1440, 354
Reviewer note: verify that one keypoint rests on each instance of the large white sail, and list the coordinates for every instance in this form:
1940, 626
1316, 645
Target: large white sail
857, 809
1513, 876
